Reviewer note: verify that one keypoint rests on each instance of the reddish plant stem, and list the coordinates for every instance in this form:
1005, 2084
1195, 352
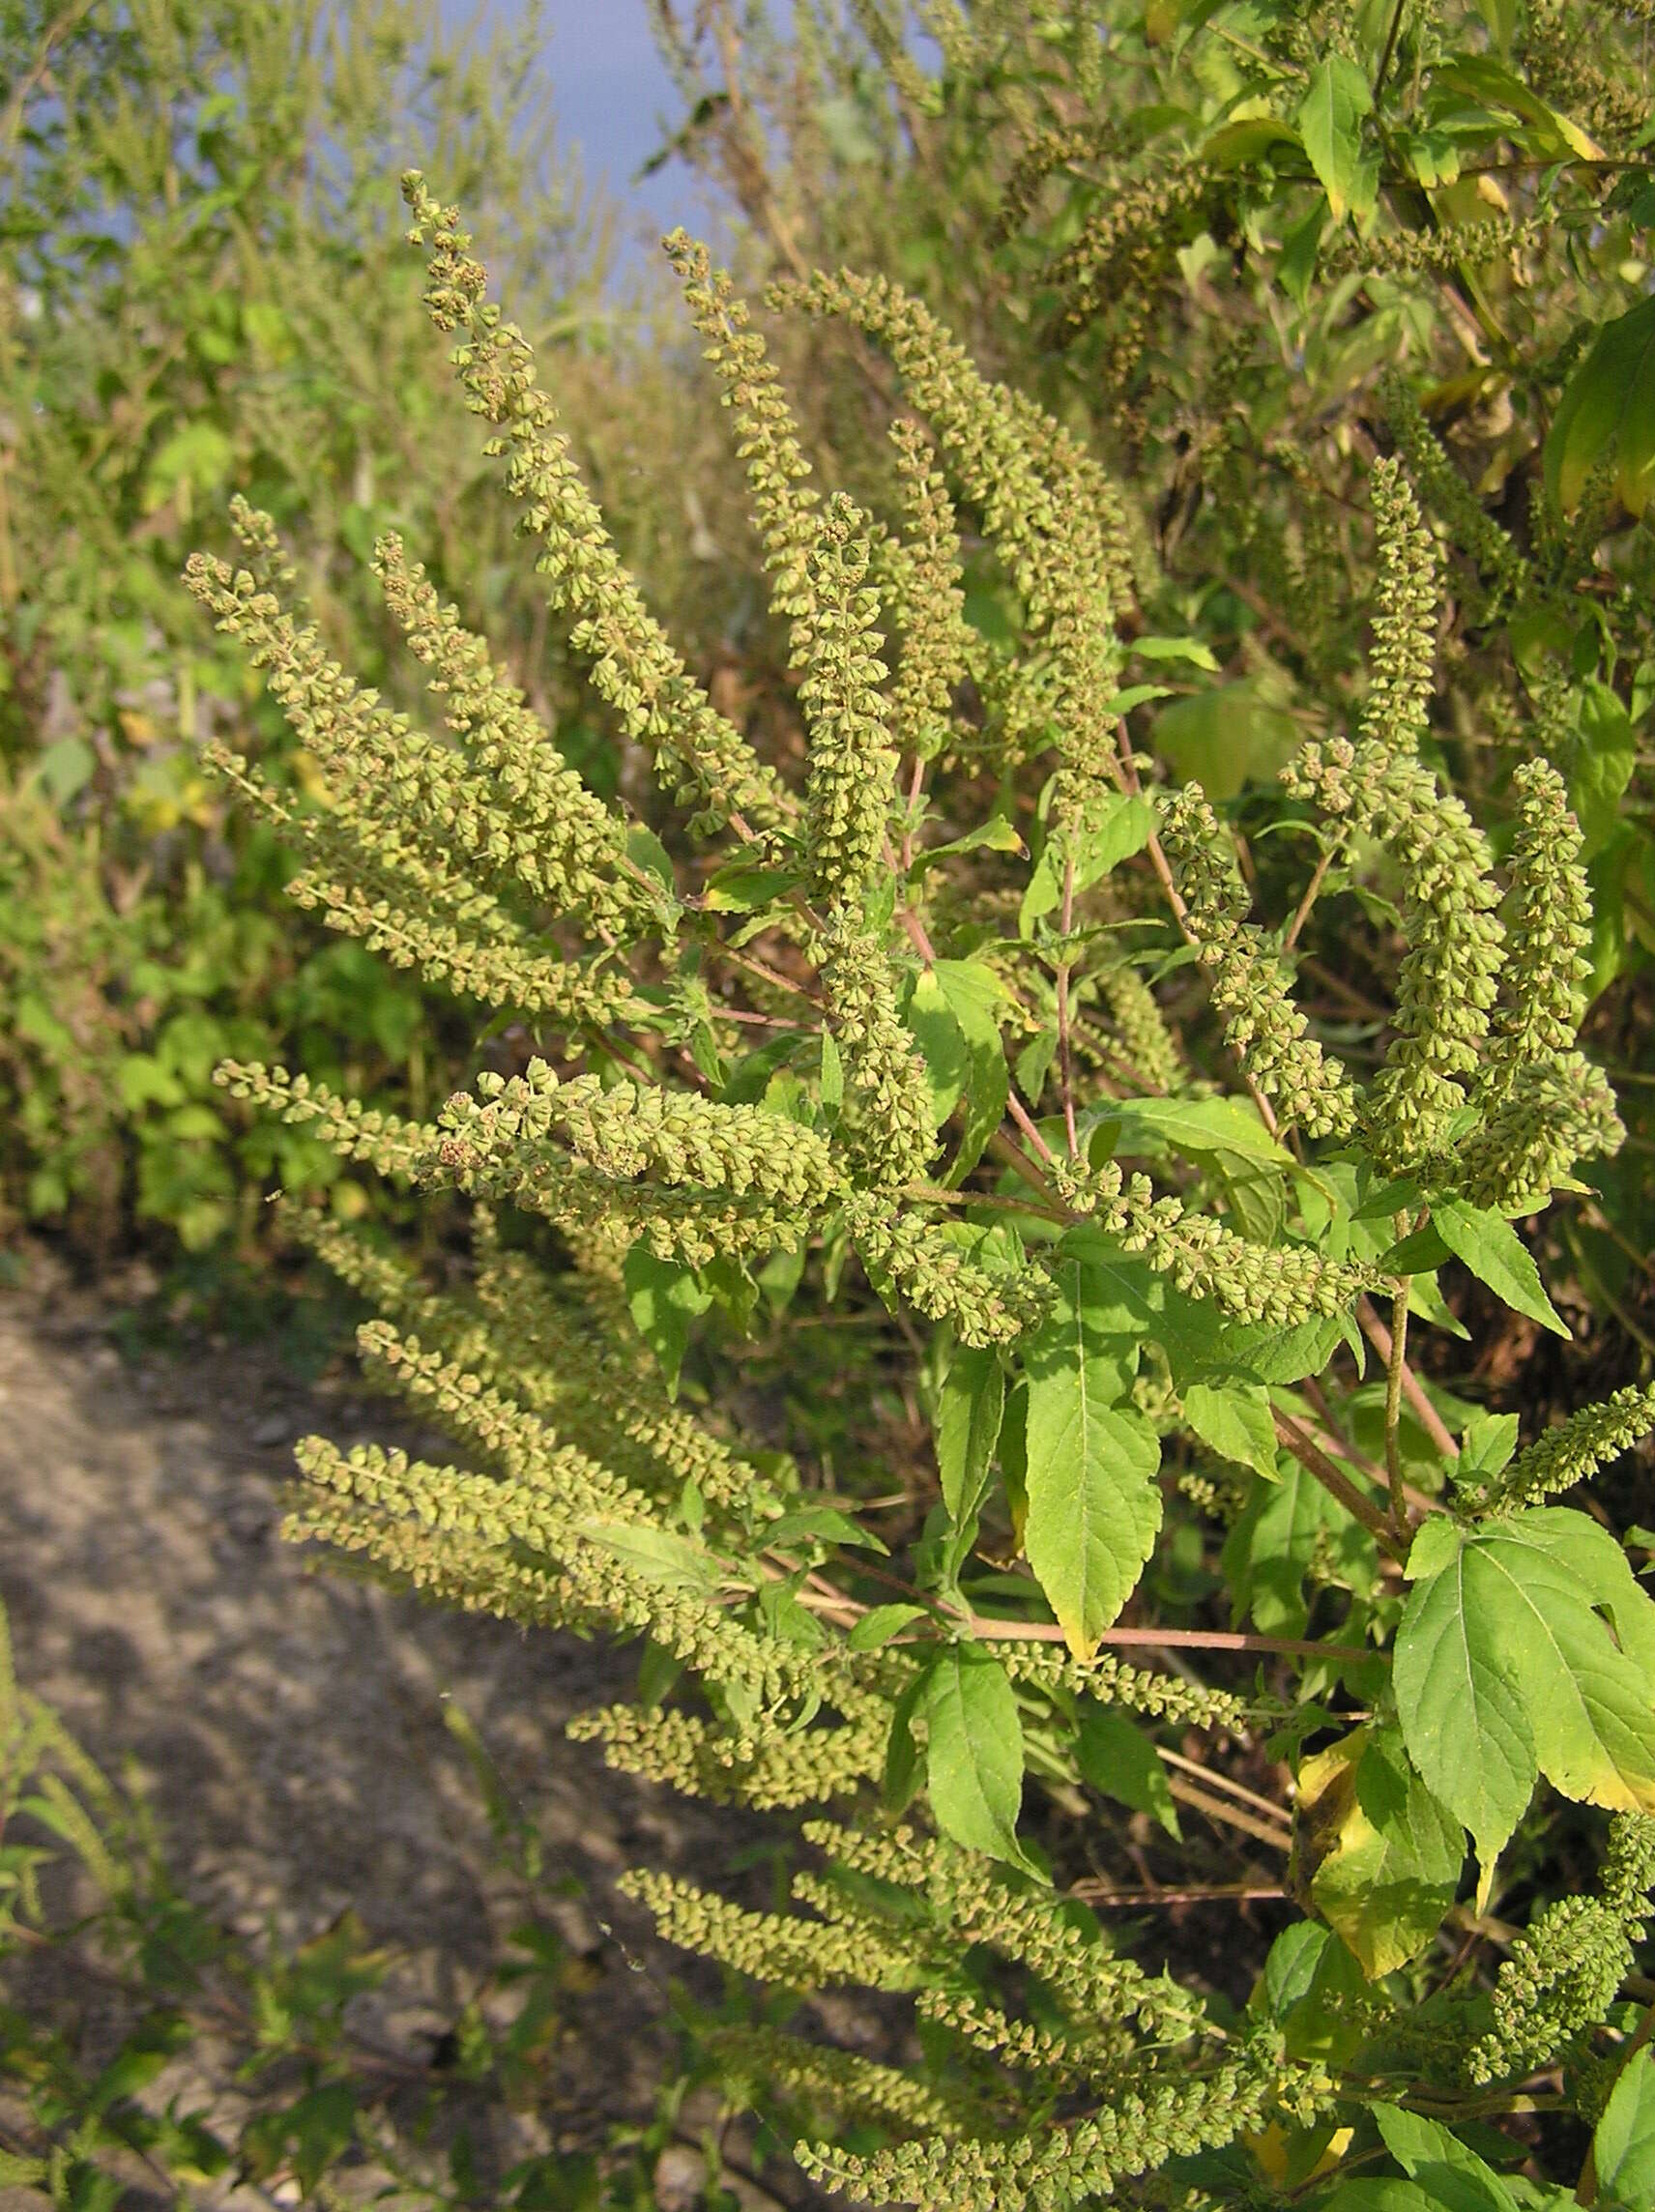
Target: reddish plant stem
1166, 1639
1213, 1892
1018, 1113
1232, 1816
1330, 1441
1309, 900
1338, 1484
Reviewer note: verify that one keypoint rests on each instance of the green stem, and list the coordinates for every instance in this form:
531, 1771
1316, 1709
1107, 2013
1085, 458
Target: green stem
1395, 1369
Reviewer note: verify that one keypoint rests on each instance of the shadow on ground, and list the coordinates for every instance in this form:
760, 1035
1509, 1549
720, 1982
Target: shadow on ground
289, 1723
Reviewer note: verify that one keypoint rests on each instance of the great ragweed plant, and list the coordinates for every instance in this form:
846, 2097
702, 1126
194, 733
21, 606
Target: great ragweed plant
865, 1026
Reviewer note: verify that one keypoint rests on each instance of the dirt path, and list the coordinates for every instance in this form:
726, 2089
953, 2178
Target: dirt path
288, 1725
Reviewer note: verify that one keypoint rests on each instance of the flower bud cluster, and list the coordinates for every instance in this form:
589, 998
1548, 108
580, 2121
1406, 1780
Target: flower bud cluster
634, 667
1251, 987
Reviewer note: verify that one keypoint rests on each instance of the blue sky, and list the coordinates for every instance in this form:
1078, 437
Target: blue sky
610, 89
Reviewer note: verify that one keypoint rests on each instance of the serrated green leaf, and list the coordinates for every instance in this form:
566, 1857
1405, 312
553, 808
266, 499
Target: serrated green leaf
1094, 1504
1117, 1758
1033, 1063
1135, 695
1113, 827
1087, 1319
881, 1623
1201, 1342
743, 890
1450, 2172
1505, 1670
1310, 1986
820, 1524
1176, 648
645, 851
996, 835
1491, 1247
973, 1752
1426, 1304
832, 1077
1225, 736
1200, 1129
1235, 1421
1463, 1711
953, 1015
1486, 1447
1378, 2192
1551, 133
1246, 139
657, 1555
1601, 764
903, 1762
64, 767
1623, 2146
1609, 403
1419, 1253
1329, 122
1268, 1552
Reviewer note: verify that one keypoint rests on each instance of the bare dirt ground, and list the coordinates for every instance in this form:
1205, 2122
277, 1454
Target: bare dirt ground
288, 1725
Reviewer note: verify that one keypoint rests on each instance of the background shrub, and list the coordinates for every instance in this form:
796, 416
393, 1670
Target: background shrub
978, 1183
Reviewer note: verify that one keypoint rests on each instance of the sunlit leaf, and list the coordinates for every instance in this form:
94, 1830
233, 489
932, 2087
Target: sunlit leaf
974, 1752
1330, 119
1506, 1669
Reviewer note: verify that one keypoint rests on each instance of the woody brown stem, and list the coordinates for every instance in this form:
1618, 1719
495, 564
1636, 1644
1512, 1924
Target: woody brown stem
1338, 1484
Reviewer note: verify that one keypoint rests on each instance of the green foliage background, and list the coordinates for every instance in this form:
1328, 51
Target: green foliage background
1324, 336
199, 291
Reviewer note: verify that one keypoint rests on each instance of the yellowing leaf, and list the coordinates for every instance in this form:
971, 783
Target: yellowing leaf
1551, 133
1330, 126
1373, 1853
1505, 1668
